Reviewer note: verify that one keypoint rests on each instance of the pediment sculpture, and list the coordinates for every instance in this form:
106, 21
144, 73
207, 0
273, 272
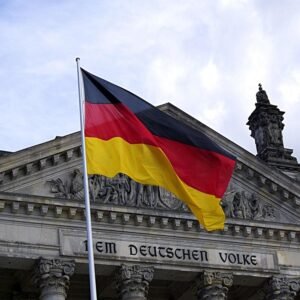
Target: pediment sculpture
122, 190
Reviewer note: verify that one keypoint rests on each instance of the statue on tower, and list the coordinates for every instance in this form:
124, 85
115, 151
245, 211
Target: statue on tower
261, 95
266, 126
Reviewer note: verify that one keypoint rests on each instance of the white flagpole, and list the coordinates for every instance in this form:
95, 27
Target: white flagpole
93, 290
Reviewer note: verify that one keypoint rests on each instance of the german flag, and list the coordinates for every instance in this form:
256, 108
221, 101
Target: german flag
126, 134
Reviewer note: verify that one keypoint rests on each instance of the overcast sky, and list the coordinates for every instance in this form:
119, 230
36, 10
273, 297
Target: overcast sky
204, 56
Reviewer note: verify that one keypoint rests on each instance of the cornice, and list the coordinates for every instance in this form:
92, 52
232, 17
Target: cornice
35, 159
284, 191
39, 152
57, 210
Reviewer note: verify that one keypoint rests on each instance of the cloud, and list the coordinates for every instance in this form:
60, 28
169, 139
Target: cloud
206, 57
209, 76
290, 88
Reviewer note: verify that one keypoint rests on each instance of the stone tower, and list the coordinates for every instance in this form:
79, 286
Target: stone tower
266, 125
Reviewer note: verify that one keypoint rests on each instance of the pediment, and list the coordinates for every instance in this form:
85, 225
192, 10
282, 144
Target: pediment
256, 192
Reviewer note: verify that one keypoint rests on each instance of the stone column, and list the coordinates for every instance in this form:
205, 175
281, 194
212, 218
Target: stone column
133, 282
214, 285
52, 276
281, 288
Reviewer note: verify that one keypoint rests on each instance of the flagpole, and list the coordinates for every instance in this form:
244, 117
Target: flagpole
93, 289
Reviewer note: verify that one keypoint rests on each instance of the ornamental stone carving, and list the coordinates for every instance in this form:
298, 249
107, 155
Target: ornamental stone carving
72, 188
266, 123
266, 126
281, 288
261, 96
244, 205
133, 282
120, 190
52, 276
214, 285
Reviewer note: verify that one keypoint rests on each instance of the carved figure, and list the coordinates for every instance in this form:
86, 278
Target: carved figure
95, 186
275, 134
122, 187
58, 187
238, 209
242, 205
76, 186
227, 203
269, 212
109, 192
256, 208
168, 200
120, 190
261, 96
259, 139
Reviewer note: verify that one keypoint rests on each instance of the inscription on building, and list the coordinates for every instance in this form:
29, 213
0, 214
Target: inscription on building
167, 253
161, 252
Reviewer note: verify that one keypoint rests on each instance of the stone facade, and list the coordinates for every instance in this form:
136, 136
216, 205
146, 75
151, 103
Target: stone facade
147, 244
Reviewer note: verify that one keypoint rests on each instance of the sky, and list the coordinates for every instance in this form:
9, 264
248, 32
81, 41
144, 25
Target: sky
204, 56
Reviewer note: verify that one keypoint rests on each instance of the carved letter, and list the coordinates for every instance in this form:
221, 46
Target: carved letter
152, 253
143, 250
186, 252
245, 259
110, 248
203, 255
232, 258
99, 247
195, 255
253, 260
133, 249
170, 253
224, 259
238, 259
160, 252
177, 256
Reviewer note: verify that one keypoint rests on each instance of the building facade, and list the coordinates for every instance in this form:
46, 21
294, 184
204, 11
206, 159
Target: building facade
147, 244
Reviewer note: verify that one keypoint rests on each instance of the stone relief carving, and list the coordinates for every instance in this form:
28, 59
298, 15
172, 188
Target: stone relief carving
267, 130
244, 205
69, 189
122, 190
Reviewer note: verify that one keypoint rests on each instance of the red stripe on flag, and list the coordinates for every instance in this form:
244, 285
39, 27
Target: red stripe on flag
203, 170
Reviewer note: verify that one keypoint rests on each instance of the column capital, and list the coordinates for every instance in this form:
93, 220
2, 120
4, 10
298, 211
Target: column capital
52, 276
133, 281
214, 285
281, 288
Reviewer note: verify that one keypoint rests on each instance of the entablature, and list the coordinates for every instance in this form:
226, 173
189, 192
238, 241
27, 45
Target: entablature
46, 209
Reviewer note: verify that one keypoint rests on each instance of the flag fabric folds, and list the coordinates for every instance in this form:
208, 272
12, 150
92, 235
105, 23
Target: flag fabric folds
125, 134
